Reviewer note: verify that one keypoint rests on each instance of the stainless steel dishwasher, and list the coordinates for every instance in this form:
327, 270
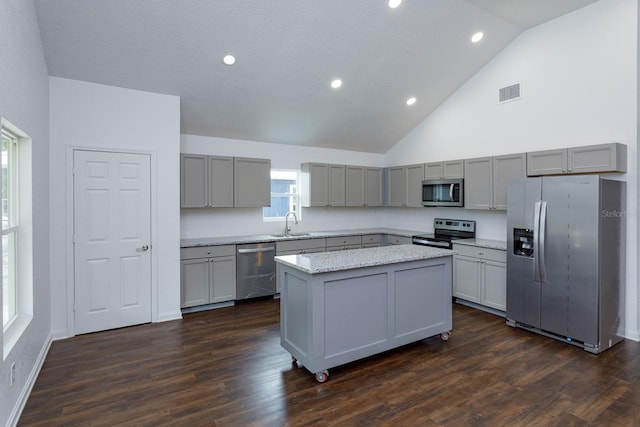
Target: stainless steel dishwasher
255, 270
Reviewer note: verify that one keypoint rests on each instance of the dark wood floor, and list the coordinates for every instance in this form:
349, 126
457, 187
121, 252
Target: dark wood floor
226, 367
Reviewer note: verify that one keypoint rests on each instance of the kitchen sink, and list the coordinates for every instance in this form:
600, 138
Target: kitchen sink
291, 235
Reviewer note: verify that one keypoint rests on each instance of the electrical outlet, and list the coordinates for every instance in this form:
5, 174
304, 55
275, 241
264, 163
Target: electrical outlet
13, 373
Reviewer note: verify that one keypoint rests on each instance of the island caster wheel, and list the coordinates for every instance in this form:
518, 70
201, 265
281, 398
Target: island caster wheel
322, 376
445, 336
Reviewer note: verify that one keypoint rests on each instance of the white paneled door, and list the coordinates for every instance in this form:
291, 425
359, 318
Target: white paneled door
112, 240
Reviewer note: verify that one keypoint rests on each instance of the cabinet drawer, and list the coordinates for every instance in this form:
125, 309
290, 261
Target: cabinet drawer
342, 248
393, 239
479, 252
296, 246
344, 241
207, 251
371, 239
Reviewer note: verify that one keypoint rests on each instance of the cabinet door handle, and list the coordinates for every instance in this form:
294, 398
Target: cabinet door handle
143, 248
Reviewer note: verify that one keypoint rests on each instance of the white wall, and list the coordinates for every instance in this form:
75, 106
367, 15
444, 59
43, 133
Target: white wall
109, 118
231, 222
24, 102
578, 77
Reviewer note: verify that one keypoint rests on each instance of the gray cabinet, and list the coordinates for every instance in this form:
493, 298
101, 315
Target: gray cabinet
586, 159
206, 181
354, 176
480, 276
404, 185
252, 182
216, 181
444, 170
371, 240
207, 275
394, 239
373, 186
322, 185
485, 185
478, 186
363, 186
302, 246
343, 243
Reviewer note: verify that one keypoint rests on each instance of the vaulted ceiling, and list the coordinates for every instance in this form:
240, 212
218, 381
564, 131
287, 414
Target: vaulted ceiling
287, 53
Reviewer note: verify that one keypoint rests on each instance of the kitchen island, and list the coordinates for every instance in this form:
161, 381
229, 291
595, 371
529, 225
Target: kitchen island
337, 307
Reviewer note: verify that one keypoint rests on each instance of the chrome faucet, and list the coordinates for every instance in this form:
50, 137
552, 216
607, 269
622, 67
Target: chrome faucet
287, 229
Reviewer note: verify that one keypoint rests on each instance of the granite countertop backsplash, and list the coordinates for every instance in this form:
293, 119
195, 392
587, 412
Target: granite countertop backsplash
234, 240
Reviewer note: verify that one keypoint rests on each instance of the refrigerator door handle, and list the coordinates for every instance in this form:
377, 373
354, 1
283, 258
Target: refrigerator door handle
541, 235
536, 241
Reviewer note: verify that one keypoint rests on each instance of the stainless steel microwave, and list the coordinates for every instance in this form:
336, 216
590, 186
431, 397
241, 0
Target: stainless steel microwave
443, 192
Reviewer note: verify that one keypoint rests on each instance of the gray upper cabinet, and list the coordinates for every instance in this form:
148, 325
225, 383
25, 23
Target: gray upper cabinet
478, 185
404, 185
373, 186
444, 170
206, 181
337, 185
587, 159
354, 185
322, 185
395, 186
363, 186
215, 181
505, 168
252, 178
485, 185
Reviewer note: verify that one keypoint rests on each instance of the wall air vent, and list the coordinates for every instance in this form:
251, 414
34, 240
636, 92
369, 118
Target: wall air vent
509, 93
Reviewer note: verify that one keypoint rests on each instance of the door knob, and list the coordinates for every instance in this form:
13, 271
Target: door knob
143, 248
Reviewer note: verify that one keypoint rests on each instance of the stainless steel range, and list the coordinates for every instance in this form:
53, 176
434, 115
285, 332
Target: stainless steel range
445, 231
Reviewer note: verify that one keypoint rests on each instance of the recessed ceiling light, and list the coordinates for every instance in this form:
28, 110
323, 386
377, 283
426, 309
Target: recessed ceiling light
394, 3
229, 59
477, 37
336, 83
411, 100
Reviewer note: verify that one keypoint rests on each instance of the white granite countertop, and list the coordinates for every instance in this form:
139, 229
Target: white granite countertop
324, 262
233, 240
483, 243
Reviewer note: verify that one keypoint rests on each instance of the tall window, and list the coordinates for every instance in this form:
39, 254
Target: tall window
9, 226
284, 195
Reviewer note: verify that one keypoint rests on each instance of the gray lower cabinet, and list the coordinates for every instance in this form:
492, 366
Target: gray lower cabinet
404, 185
485, 185
207, 275
252, 182
585, 159
301, 246
444, 170
333, 318
394, 239
322, 185
480, 276
343, 243
298, 247
371, 240
206, 181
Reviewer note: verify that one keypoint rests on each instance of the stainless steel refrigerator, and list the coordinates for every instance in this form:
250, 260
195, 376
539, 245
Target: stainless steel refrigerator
566, 258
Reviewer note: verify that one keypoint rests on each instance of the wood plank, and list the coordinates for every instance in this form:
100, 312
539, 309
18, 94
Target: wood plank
226, 367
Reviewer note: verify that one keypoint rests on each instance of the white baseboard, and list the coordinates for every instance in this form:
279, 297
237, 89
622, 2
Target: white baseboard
31, 381
171, 315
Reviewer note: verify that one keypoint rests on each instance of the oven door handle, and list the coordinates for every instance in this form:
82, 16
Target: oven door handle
424, 242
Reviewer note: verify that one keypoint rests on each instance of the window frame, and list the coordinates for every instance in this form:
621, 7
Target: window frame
294, 196
23, 216
12, 228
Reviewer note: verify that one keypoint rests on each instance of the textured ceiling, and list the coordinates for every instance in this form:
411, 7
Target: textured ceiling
287, 53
